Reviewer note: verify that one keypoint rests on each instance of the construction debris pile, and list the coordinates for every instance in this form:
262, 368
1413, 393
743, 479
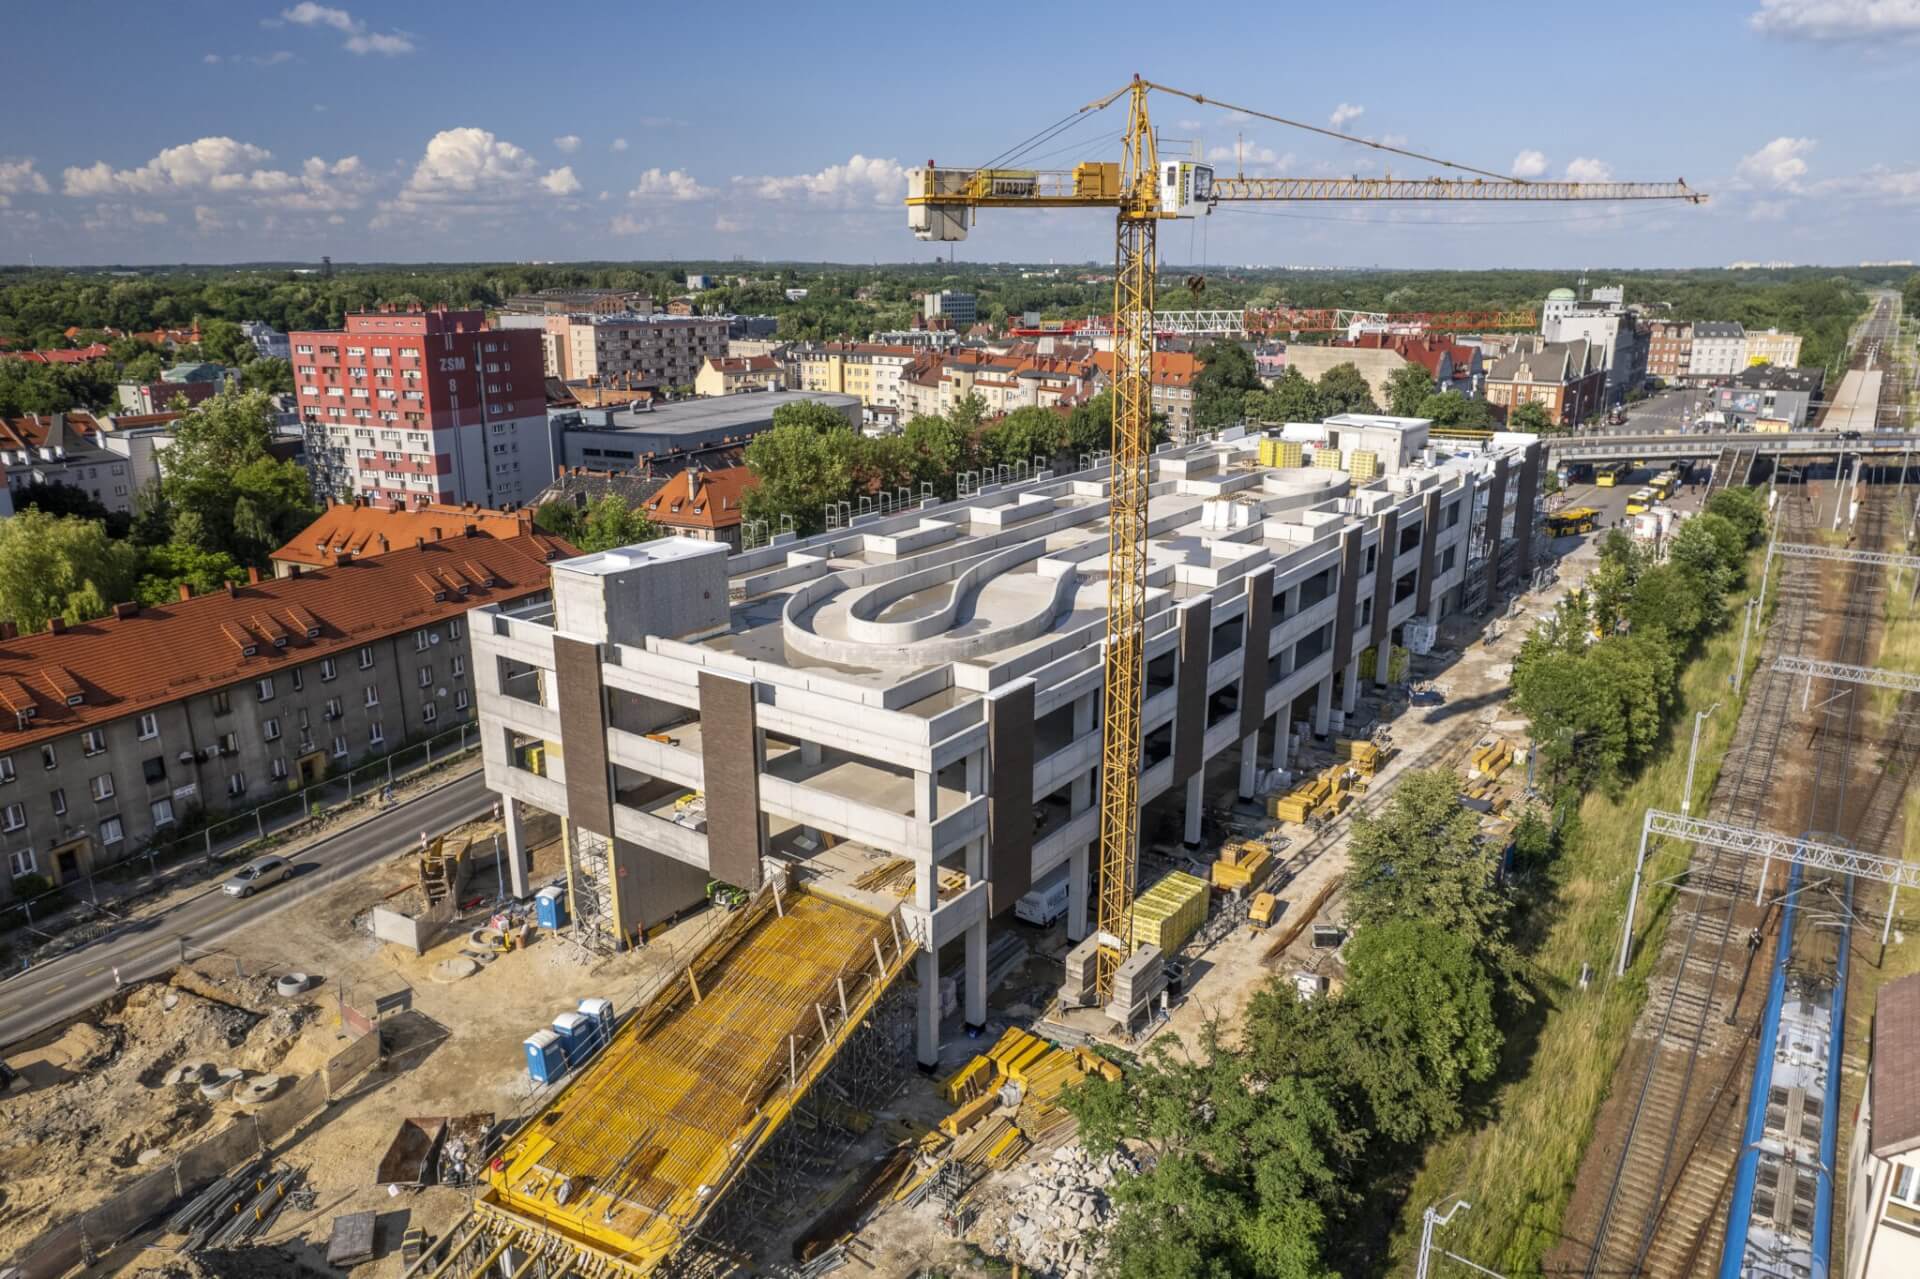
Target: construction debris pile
1008, 1099
1057, 1219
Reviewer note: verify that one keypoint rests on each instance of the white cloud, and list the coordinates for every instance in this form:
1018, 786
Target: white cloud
567, 143
19, 177
1780, 163
470, 169
225, 168
359, 39
668, 184
210, 58
561, 181
618, 144
1767, 211
273, 59
208, 219
1892, 186
861, 180
1584, 168
1529, 164
627, 224
728, 226
1345, 112
1837, 19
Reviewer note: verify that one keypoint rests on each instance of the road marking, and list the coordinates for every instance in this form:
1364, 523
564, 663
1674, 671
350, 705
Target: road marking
95, 972
56, 988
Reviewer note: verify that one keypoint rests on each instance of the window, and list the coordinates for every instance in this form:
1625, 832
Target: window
460, 699
229, 744
48, 759
453, 630
6, 769
373, 695
162, 813
376, 734
366, 659
459, 666
339, 748
327, 669
428, 713
102, 786
426, 677
20, 862
270, 729
299, 679
279, 768
15, 817
93, 741
237, 784
154, 770
59, 798
149, 727
422, 638
1906, 1183
111, 832
333, 708
265, 688
222, 704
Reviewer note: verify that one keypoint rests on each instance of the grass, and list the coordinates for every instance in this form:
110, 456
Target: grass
1517, 1163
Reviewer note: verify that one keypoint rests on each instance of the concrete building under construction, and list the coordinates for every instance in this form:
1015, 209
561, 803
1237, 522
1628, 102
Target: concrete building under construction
925, 685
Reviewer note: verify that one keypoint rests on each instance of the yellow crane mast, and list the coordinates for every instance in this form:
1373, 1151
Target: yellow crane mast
1143, 191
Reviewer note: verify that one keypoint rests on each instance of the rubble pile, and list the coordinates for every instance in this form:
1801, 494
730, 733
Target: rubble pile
1058, 1217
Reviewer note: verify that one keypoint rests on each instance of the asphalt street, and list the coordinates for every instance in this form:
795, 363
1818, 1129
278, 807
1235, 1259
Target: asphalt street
60, 988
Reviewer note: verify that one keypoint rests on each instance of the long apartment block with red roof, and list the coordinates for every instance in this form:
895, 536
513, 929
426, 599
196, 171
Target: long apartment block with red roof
410, 408
114, 731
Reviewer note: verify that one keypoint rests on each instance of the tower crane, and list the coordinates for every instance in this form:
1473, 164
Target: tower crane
1143, 192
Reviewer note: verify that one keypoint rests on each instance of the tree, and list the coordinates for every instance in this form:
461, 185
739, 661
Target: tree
1745, 509
1408, 387
1667, 598
1421, 857
1450, 408
800, 469
171, 565
275, 377
61, 567
225, 491
222, 342
562, 519
59, 499
1023, 435
1344, 390
610, 522
1219, 389
940, 448
1531, 417
810, 414
1291, 398
1090, 425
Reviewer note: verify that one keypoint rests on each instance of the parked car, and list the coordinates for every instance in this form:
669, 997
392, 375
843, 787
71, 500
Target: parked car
257, 874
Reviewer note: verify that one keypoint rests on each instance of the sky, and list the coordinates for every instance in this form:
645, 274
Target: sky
495, 130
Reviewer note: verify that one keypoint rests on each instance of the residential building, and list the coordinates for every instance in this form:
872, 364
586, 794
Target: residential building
1567, 379
160, 397
740, 348
751, 326
629, 349
353, 530
1004, 381
731, 374
697, 283
115, 731
1454, 366
1669, 350
641, 438
579, 301
61, 355
1719, 351
410, 408
1762, 397
51, 449
868, 371
950, 309
268, 342
1883, 1174
1782, 350
1606, 324
702, 504
1170, 386
1376, 364
686, 728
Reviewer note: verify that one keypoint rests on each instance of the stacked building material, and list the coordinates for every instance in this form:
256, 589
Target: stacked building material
1281, 453
1242, 864
1170, 912
1491, 760
1363, 465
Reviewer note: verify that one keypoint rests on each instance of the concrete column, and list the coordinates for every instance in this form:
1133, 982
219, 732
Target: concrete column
1281, 726
1079, 887
1249, 766
519, 877
1194, 789
1082, 797
926, 1043
1323, 706
976, 773
926, 797
926, 884
1350, 686
1383, 659
975, 976
810, 754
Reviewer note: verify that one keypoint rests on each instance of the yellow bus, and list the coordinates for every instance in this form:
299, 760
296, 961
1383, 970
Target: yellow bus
1664, 484
1608, 474
1639, 500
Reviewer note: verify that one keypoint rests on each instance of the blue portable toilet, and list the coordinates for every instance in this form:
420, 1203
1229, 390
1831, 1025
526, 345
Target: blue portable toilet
600, 1012
550, 907
546, 1057
577, 1034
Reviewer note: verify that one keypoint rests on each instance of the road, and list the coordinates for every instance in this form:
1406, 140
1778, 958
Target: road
60, 988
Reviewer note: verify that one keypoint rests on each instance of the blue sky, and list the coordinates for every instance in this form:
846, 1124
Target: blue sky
490, 129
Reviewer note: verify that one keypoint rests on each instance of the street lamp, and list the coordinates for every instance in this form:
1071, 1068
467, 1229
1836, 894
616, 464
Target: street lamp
1693, 753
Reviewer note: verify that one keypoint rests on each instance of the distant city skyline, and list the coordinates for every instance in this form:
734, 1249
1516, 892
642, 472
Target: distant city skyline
598, 131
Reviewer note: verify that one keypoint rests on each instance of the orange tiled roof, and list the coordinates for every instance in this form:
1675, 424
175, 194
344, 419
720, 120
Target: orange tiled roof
116, 666
742, 363
701, 499
1170, 368
366, 530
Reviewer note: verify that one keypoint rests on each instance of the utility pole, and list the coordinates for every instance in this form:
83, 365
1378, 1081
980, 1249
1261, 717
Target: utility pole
1430, 1221
1740, 664
1693, 753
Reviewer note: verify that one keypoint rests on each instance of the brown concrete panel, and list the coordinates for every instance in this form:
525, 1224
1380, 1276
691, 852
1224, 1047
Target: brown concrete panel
1523, 513
583, 734
1496, 506
730, 753
1009, 796
1259, 638
1383, 579
1190, 712
1429, 533
1352, 559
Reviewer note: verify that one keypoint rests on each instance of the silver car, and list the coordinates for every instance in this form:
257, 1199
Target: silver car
257, 874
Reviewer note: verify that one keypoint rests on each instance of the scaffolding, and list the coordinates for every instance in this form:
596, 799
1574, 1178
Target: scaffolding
590, 862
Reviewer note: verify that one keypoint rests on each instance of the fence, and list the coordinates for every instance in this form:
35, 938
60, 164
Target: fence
83, 1238
240, 832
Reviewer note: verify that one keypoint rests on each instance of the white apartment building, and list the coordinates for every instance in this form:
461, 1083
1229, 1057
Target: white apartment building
1883, 1177
1719, 350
